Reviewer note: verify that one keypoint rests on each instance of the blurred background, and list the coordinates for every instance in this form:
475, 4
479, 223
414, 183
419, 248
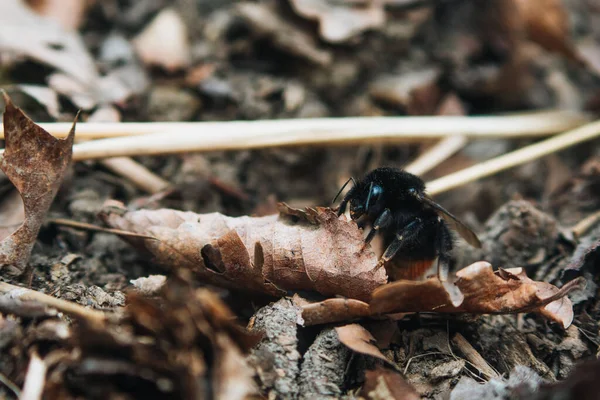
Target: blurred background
206, 60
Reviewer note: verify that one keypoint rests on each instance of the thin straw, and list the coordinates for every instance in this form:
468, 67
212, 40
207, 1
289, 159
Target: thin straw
517, 157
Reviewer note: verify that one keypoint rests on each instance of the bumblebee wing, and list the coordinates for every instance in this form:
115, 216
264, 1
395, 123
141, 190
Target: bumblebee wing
464, 231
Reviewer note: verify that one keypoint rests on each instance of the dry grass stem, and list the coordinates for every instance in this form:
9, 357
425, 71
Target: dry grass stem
473, 356
169, 138
346, 131
437, 154
518, 157
136, 173
583, 226
89, 227
64, 306
538, 123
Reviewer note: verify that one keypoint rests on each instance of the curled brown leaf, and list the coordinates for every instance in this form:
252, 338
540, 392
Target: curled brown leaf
333, 310
35, 162
308, 249
485, 292
360, 340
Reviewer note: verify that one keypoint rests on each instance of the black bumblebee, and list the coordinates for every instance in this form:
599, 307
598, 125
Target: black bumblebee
414, 228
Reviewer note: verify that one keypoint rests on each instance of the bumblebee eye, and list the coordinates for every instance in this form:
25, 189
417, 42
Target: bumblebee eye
412, 190
376, 191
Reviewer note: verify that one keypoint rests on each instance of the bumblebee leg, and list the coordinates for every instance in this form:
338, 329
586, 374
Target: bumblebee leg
444, 247
407, 233
383, 221
346, 199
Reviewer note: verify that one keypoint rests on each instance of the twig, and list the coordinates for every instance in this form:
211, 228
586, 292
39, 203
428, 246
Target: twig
474, 357
538, 123
585, 224
169, 138
35, 379
437, 154
419, 356
67, 307
518, 157
90, 227
136, 173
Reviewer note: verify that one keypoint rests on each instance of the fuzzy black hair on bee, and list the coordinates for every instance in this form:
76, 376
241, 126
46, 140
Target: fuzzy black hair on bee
415, 229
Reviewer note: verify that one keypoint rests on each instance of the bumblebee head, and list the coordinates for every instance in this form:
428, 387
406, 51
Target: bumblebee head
366, 200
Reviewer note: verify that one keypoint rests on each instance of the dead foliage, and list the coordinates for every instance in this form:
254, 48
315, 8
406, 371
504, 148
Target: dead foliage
332, 310
383, 383
339, 22
315, 250
69, 13
228, 60
184, 345
546, 23
35, 162
294, 250
485, 292
359, 340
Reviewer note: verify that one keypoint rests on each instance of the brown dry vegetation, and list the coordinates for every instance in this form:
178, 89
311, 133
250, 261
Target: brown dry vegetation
225, 274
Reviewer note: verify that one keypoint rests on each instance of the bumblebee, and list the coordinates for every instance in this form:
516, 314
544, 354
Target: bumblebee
414, 228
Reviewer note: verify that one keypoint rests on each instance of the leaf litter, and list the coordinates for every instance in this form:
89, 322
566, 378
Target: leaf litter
185, 345
512, 79
314, 250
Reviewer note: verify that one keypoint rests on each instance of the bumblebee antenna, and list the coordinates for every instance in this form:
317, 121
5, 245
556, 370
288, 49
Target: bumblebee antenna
345, 184
369, 196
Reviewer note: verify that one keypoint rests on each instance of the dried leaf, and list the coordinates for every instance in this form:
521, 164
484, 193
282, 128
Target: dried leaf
185, 345
164, 42
44, 96
383, 383
340, 22
333, 310
416, 92
547, 24
23, 32
308, 249
360, 340
267, 23
69, 13
485, 292
584, 255
35, 162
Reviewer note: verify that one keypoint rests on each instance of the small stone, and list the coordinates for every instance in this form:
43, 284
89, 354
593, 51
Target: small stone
447, 370
168, 103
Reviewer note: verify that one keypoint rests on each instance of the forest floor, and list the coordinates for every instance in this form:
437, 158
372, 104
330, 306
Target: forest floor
205, 60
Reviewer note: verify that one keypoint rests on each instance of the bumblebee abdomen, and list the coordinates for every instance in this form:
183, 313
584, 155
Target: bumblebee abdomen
399, 268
